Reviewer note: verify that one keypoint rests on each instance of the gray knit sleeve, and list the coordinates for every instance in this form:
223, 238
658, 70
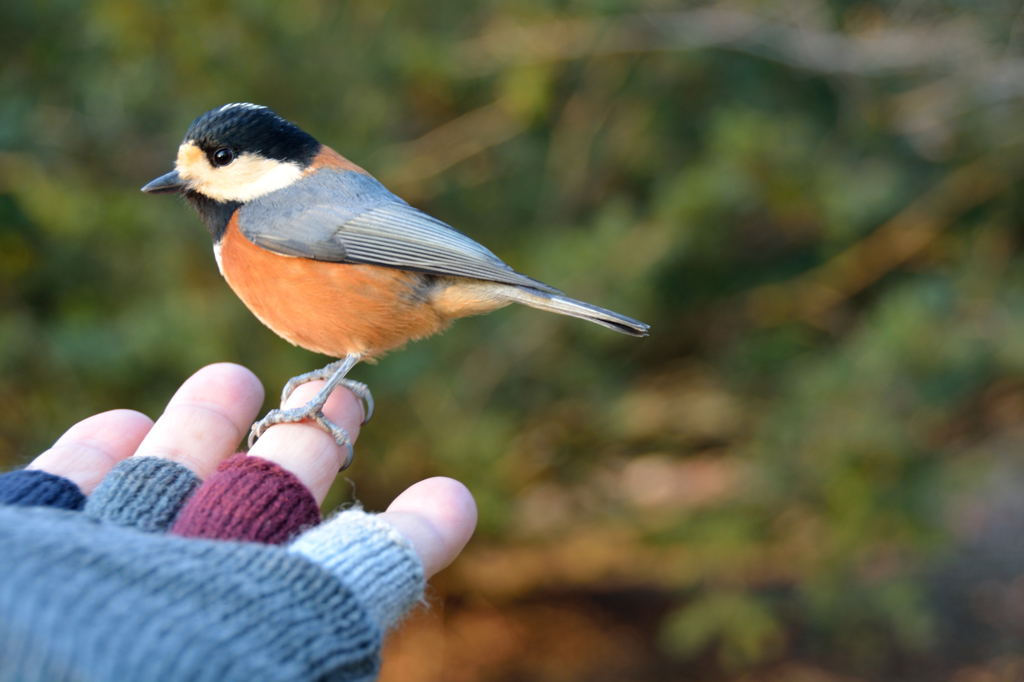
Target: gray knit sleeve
83, 599
143, 492
371, 557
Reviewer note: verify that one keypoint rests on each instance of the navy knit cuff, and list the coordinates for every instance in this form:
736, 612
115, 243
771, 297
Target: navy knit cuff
33, 488
145, 493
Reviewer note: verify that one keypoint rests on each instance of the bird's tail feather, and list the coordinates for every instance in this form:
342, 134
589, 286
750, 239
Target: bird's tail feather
567, 306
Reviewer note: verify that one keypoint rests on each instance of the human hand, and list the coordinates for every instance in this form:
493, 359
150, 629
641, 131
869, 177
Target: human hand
211, 413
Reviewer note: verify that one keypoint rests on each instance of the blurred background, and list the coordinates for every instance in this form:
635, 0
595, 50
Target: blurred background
812, 471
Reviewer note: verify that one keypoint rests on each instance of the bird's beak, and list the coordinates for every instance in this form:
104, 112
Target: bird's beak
165, 184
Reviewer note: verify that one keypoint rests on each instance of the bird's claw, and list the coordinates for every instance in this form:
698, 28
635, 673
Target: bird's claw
275, 417
360, 389
341, 437
362, 392
334, 374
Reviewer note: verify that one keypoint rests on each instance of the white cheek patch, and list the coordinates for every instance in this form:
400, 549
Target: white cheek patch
247, 177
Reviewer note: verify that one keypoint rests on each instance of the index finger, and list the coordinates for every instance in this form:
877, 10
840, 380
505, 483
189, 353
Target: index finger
206, 418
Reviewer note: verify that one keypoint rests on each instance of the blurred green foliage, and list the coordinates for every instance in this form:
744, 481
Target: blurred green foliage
815, 203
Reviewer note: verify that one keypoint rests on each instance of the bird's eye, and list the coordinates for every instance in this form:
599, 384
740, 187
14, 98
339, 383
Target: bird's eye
223, 157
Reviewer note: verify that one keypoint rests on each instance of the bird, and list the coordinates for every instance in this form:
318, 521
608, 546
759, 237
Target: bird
329, 259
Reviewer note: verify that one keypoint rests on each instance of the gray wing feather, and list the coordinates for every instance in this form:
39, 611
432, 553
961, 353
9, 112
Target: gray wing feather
348, 217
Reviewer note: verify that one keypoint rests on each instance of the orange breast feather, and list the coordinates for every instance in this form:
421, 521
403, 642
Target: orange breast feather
330, 308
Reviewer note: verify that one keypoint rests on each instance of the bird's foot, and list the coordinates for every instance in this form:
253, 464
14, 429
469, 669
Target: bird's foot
334, 373
308, 411
359, 388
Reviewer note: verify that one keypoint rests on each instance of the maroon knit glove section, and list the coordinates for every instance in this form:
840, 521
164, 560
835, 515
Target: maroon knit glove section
248, 498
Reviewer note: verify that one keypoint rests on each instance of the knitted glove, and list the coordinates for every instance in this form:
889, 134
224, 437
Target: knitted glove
105, 596
249, 498
145, 493
39, 489
85, 599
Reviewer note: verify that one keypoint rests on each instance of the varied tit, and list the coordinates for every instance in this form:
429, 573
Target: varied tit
332, 261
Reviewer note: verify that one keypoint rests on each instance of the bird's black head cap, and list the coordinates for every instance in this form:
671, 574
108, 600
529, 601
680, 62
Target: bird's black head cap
255, 129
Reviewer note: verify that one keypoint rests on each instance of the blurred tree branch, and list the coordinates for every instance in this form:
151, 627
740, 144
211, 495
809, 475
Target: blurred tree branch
948, 46
455, 141
811, 295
